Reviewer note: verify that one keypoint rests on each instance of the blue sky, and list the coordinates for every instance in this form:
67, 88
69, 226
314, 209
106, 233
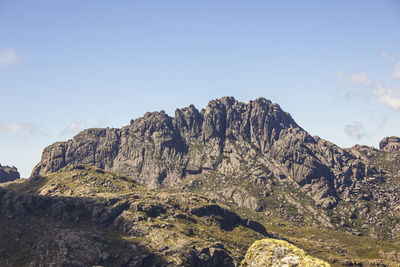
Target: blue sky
70, 65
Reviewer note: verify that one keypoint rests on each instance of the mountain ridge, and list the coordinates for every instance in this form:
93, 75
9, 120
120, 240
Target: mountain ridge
254, 155
160, 150
249, 163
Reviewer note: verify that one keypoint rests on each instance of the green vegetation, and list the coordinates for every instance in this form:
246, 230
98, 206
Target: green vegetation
161, 221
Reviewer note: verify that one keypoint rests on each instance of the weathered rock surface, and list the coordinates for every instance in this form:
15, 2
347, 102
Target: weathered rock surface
277, 253
8, 174
391, 143
226, 137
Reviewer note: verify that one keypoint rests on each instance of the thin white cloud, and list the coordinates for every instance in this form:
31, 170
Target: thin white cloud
395, 74
102, 123
355, 130
9, 56
24, 129
361, 78
73, 128
383, 93
384, 54
354, 94
387, 95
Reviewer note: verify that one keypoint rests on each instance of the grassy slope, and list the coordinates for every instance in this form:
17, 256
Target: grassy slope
329, 244
333, 245
163, 231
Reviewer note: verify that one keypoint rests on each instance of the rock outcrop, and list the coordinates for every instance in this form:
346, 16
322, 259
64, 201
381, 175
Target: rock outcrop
276, 253
391, 143
8, 174
226, 137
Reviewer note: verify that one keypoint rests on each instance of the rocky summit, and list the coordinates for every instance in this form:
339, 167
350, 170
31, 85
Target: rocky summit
391, 143
8, 174
228, 138
199, 188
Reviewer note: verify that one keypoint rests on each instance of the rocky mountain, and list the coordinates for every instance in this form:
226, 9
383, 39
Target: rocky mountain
254, 163
391, 143
227, 136
8, 174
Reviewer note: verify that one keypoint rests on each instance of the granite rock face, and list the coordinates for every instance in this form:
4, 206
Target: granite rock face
391, 143
8, 174
225, 137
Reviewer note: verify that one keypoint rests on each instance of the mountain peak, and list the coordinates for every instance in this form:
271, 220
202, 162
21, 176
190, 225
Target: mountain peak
391, 143
226, 137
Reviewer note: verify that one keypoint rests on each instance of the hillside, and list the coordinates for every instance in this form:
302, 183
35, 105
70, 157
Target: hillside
219, 179
82, 215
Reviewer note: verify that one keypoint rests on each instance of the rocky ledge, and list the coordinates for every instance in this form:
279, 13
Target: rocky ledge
391, 143
8, 174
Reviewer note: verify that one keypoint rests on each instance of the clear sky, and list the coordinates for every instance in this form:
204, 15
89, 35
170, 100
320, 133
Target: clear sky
69, 65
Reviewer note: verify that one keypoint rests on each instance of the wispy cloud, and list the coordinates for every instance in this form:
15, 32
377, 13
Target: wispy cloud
73, 128
383, 93
395, 74
24, 129
387, 95
102, 123
383, 120
384, 54
355, 130
360, 78
9, 56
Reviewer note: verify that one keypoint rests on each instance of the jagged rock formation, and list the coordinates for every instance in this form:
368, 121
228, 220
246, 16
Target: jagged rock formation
276, 253
8, 174
226, 137
391, 143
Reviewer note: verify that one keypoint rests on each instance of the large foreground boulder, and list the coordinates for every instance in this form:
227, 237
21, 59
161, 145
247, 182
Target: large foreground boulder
274, 252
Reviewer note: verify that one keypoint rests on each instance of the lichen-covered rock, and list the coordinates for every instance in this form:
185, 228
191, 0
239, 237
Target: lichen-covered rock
279, 253
8, 174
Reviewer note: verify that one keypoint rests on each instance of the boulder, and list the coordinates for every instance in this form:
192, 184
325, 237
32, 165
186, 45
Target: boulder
274, 253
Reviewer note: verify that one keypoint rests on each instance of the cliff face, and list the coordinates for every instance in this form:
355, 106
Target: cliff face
226, 137
8, 174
